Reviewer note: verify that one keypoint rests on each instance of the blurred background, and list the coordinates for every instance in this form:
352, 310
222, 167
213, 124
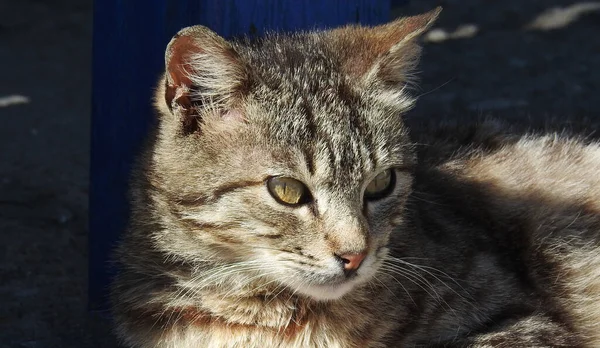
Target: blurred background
513, 59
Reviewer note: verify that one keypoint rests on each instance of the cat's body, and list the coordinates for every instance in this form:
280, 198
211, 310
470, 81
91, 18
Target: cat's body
492, 244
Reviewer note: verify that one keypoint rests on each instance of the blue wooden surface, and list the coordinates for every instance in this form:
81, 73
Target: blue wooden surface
129, 41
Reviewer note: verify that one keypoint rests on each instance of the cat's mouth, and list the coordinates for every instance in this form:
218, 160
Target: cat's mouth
327, 292
333, 284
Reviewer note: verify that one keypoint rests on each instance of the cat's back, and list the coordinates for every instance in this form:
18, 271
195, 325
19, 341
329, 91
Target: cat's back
553, 168
547, 187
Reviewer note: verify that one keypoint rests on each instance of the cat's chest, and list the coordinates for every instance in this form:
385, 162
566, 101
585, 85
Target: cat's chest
341, 327
310, 334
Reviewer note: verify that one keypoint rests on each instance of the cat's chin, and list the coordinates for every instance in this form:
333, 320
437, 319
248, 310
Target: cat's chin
337, 287
326, 292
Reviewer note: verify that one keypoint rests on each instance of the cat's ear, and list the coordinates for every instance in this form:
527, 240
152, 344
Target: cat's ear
385, 54
202, 68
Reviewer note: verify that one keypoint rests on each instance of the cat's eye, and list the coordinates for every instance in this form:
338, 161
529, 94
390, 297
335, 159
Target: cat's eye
381, 186
288, 191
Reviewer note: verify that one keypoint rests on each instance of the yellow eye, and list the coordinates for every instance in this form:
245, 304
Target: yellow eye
288, 191
381, 186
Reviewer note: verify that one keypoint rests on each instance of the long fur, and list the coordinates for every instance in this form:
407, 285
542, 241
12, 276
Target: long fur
488, 239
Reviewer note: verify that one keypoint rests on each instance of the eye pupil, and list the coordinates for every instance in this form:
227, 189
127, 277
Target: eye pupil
288, 191
381, 186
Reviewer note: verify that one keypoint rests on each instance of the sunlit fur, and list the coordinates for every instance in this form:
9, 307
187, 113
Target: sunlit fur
488, 243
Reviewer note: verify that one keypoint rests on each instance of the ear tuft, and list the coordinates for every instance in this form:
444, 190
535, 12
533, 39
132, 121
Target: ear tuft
202, 70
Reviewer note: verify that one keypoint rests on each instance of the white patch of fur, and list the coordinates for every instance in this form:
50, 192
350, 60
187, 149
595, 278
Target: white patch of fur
327, 292
581, 276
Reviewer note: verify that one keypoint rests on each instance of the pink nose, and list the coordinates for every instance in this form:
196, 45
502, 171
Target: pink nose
352, 262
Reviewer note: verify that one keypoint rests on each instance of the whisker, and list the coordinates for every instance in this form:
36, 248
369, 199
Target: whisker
435, 89
406, 272
399, 283
423, 268
412, 276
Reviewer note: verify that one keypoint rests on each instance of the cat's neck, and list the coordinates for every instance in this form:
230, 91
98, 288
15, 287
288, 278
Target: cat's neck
271, 308
284, 319
257, 304
276, 313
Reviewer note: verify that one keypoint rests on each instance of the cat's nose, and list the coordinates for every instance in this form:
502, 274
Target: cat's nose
351, 262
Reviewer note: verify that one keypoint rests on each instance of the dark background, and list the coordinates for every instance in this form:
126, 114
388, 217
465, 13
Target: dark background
515, 59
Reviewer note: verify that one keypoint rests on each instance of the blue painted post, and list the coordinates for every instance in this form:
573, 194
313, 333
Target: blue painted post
398, 3
129, 42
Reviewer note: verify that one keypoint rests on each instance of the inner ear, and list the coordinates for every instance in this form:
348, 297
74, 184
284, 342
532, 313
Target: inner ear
178, 77
203, 71
178, 84
178, 54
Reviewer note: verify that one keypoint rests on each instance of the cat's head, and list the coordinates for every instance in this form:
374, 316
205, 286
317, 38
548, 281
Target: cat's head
286, 159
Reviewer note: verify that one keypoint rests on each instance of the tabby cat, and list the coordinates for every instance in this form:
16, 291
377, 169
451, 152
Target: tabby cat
281, 202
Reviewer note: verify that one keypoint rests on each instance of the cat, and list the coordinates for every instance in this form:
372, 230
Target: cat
282, 202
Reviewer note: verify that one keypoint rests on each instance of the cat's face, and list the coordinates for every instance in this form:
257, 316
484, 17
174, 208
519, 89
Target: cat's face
305, 202
287, 162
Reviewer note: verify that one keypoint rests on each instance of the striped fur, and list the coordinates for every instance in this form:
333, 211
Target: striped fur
489, 243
